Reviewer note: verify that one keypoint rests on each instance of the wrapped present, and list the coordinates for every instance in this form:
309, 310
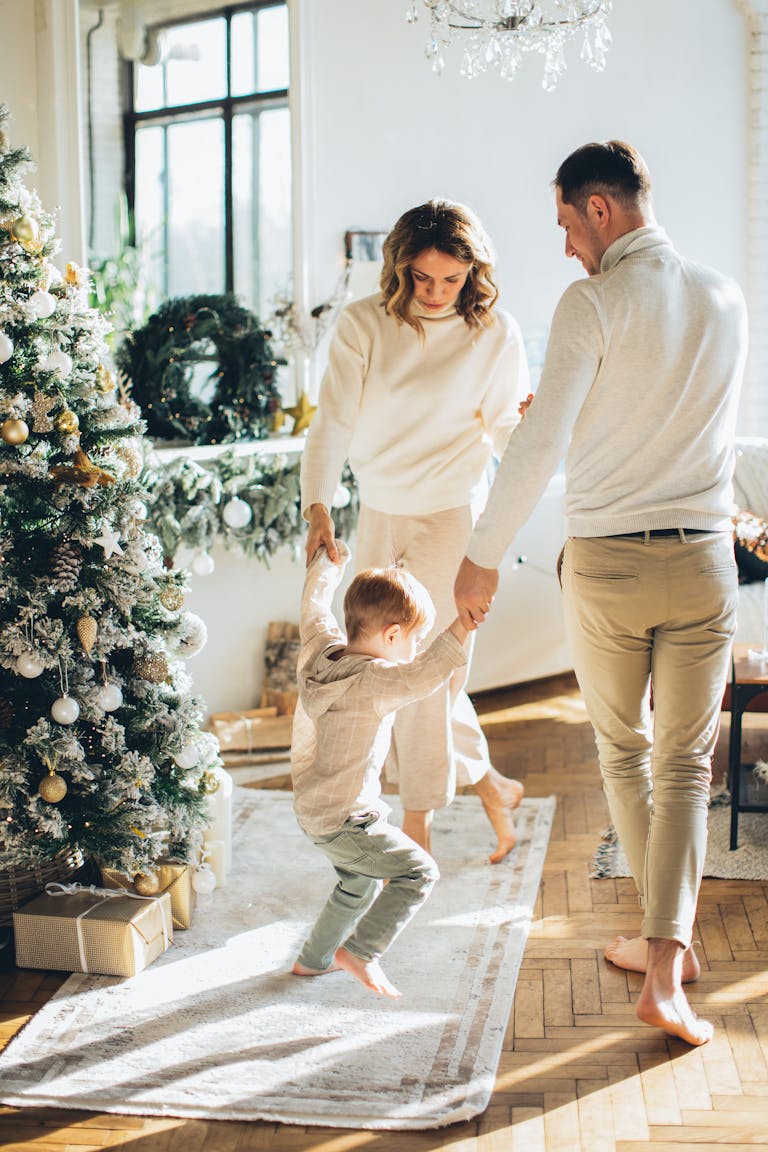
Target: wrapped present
171, 876
72, 928
251, 730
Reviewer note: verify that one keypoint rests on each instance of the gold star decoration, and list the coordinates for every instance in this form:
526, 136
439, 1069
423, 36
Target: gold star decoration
302, 413
81, 471
41, 406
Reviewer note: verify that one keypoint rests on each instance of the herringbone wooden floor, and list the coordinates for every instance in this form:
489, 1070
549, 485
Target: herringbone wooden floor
578, 1072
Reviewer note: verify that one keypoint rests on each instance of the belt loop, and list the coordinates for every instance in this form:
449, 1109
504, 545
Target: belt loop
683, 537
647, 537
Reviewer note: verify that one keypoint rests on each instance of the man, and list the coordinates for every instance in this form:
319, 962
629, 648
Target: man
639, 391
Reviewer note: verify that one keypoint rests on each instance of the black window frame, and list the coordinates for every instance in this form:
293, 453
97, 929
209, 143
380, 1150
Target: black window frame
226, 108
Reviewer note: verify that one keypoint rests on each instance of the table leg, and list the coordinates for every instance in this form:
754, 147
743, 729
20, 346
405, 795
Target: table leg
734, 764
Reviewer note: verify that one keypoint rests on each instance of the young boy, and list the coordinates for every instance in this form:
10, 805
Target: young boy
349, 690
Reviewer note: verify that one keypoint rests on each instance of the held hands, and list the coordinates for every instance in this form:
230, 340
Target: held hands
321, 533
474, 591
524, 405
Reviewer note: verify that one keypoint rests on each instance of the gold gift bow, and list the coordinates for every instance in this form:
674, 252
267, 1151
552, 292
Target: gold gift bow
118, 876
55, 888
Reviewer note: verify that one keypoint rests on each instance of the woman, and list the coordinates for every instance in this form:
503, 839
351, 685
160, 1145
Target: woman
424, 383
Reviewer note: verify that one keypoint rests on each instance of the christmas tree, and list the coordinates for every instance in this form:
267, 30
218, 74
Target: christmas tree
100, 740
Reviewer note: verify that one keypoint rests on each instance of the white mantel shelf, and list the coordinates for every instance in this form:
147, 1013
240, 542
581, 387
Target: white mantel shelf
270, 446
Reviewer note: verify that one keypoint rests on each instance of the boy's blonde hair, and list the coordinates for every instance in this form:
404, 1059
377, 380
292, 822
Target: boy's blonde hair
378, 597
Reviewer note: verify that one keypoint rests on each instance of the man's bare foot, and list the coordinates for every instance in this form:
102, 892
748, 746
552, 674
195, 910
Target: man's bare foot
368, 972
302, 970
633, 956
418, 825
663, 1003
500, 796
675, 1016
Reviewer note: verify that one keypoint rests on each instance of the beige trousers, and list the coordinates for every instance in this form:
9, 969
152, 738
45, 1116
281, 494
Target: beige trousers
438, 741
657, 611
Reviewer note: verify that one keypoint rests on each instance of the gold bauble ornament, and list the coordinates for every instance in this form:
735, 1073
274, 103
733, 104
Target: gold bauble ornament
14, 431
86, 632
25, 230
172, 597
152, 667
67, 422
146, 883
52, 788
132, 456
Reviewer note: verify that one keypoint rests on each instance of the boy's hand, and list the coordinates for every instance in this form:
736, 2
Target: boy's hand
459, 631
524, 405
322, 532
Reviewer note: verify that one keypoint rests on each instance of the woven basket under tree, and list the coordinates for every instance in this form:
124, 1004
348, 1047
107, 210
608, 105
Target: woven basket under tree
20, 885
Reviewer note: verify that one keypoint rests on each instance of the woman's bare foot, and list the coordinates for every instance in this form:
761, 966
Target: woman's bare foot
633, 956
500, 796
368, 972
302, 970
663, 1003
418, 825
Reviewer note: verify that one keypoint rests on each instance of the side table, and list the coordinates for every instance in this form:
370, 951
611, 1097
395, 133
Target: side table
749, 678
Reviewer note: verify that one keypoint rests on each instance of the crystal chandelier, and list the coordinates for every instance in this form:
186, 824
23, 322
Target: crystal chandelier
497, 33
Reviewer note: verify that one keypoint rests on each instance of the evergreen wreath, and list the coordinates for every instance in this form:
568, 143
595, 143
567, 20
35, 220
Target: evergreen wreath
159, 360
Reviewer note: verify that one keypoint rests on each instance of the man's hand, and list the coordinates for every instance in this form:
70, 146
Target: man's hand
321, 532
474, 590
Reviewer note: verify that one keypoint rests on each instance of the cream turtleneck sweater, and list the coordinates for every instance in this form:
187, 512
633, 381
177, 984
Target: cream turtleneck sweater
417, 418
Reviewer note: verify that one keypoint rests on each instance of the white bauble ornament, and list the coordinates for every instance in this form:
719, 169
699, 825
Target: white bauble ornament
203, 880
110, 697
6, 347
58, 361
187, 757
203, 564
237, 513
65, 710
341, 497
42, 304
194, 635
29, 665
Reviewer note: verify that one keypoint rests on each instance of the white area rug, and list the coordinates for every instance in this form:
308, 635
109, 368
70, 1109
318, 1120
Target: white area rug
747, 862
218, 1028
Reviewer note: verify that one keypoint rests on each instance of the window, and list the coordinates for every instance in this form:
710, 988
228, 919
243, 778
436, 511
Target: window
208, 155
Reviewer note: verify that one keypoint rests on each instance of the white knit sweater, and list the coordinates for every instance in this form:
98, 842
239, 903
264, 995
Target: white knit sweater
639, 390
417, 419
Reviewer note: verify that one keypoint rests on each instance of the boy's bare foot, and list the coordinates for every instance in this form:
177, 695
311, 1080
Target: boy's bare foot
368, 972
302, 970
500, 796
633, 956
663, 1003
418, 825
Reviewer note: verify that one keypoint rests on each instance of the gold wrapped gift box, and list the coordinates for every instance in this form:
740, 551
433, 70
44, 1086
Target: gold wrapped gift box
174, 877
251, 730
75, 929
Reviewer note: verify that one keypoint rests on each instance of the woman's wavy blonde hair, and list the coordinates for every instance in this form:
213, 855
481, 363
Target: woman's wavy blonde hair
454, 230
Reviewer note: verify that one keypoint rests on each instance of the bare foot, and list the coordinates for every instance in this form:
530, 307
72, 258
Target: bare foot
368, 972
302, 970
675, 1016
418, 825
500, 797
633, 956
663, 1003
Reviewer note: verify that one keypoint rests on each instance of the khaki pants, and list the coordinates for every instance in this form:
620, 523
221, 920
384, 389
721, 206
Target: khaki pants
660, 611
438, 741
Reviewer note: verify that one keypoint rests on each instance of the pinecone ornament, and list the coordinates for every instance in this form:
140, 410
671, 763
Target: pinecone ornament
86, 632
64, 565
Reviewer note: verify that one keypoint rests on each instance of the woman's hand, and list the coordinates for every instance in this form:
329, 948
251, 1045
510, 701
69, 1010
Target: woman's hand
524, 405
321, 532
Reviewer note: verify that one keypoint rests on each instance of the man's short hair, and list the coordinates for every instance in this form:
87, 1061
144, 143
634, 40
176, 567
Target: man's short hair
378, 597
613, 168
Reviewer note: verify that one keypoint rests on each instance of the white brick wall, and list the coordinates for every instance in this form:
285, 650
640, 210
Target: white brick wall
754, 416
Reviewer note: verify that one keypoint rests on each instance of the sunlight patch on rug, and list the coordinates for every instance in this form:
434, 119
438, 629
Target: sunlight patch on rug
218, 1028
747, 862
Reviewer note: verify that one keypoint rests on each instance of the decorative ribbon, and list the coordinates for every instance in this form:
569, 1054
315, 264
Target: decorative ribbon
55, 888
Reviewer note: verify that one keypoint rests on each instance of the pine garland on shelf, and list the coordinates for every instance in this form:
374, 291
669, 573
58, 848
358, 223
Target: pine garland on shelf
252, 502
160, 361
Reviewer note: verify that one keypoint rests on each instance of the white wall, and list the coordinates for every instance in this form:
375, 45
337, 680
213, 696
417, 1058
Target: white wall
389, 134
